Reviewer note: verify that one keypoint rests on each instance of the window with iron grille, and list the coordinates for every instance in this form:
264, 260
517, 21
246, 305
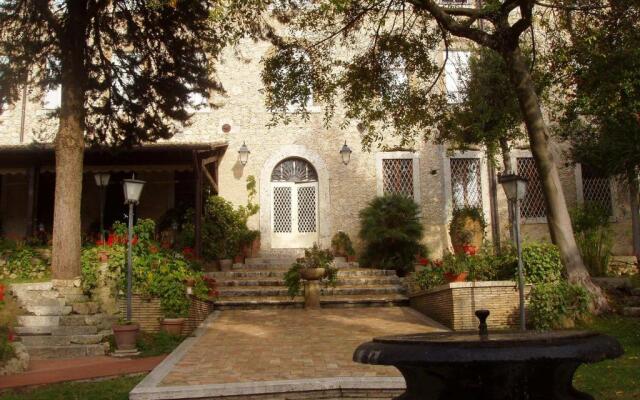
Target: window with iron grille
532, 206
397, 176
466, 187
596, 188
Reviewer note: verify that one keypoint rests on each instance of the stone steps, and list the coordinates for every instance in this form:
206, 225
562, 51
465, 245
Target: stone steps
249, 303
74, 330
252, 291
59, 340
69, 351
260, 284
48, 310
278, 281
271, 262
262, 273
62, 322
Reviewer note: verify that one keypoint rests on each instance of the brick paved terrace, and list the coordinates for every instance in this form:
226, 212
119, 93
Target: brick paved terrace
276, 345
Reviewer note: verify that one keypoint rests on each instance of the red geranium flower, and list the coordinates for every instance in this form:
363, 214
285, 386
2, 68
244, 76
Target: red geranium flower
188, 252
153, 249
470, 250
423, 261
111, 240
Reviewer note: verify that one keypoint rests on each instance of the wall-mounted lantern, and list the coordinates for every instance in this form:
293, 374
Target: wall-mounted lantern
345, 152
243, 154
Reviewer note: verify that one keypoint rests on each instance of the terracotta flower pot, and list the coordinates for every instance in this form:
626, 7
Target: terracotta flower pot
226, 264
103, 256
238, 259
352, 258
255, 247
312, 274
451, 277
126, 335
172, 326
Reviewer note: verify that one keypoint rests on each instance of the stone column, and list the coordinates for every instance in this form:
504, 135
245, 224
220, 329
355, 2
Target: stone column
312, 294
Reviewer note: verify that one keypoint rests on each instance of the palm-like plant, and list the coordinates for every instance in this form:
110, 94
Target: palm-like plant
391, 229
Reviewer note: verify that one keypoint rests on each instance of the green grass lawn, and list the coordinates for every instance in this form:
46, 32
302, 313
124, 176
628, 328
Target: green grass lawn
614, 379
113, 389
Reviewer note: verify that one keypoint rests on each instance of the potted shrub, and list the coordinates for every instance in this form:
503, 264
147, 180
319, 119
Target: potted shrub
456, 267
125, 334
391, 230
315, 266
246, 243
466, 228
342, 246
172, 323
255, 245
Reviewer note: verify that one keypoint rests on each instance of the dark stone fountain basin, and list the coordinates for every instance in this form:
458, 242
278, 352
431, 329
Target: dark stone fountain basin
497, 366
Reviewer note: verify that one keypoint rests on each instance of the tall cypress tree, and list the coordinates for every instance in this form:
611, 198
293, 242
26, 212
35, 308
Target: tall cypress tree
126, 69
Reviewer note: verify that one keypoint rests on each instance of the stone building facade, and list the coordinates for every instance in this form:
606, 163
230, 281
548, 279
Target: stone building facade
306, 192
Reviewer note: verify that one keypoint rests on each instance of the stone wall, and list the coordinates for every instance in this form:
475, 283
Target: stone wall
454, 304
148, 313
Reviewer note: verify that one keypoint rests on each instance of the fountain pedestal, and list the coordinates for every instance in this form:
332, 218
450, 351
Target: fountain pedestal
494, 366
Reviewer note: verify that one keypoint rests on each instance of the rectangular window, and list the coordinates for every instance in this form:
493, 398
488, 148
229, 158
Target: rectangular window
532, 206
455, 70
466, 186
397, 176
596, 188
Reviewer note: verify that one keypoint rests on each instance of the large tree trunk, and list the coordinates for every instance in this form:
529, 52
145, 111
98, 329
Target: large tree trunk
558, 219
635, 210
69, 150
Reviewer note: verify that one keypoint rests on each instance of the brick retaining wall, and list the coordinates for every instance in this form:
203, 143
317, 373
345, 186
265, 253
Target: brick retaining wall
148, 313
454, 304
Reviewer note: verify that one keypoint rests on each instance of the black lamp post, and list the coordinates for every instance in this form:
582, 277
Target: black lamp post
515, 188
102, 180
132, 191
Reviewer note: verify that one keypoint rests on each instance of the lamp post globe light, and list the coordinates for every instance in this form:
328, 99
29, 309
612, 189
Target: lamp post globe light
243, 154
132, 190
102, 181
345, 153
515, 188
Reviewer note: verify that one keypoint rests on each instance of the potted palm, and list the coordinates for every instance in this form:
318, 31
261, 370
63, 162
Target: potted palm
342, 246
315, 266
